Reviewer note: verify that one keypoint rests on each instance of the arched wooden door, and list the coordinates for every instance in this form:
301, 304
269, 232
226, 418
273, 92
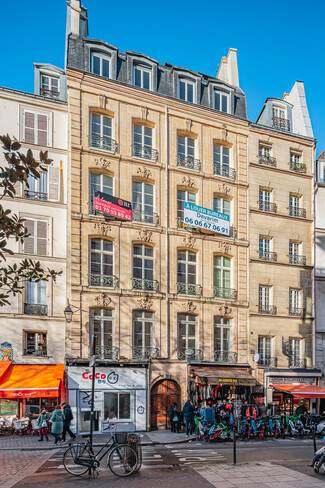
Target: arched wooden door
163, 394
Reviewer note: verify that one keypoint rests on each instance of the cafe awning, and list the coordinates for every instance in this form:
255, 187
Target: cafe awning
31, 380
226, 376
302, 391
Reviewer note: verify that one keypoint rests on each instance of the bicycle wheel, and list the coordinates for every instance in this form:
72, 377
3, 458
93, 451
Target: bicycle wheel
122, 460
70, 459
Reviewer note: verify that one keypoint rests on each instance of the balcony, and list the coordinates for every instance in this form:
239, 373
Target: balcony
107, 352
265, 206
226, 293
188, 162
140, 353
189, 354
104, 281
35, 351
225, 357
298, 167
295, 362
297, 212
267, 309
139, 284
268, 362
44, 92
36, 195
267, 256
297, 312
144, 152
297, 259
266, 160
224, 170
105, 143
35, 309
189, 289
281, 123
145, 217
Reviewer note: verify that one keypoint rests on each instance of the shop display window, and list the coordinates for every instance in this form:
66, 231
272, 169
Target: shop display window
117, 406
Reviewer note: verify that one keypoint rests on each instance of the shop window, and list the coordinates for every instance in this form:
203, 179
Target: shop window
35, 343
117, 406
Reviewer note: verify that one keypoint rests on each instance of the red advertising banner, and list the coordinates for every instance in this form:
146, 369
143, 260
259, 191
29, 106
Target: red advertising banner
117, 207
29, 393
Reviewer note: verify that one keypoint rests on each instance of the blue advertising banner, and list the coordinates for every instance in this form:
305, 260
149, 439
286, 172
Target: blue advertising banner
204, 218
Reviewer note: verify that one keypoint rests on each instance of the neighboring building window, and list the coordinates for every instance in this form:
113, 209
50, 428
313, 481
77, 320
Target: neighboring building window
143, 329
186, 90
142, 76
143, 202
264, 248
265, 349
102, 326
117, 406
100, 64
295, 256
221, 205
294, 300
264, 200
101, 262
142, 142
264, 298
101, 132
294, 205
221, 160
186, 152
143, 262
186, 267
221, 273
37, 242
102, 183
221, 101
36, 298
35, 344
187, 324
50, 86
184, 196
222, 334
295, 352
37, 187
35, 128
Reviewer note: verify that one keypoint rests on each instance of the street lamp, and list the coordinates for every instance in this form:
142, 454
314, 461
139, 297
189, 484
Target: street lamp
68, 313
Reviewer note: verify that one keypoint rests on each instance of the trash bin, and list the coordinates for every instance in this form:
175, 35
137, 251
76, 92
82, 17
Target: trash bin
134, 441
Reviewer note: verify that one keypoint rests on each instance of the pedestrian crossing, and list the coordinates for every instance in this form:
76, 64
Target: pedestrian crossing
198, 456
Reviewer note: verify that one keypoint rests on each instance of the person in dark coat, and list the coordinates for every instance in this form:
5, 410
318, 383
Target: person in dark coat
263, 410
301, 410
68, 417
188, 414
174, 416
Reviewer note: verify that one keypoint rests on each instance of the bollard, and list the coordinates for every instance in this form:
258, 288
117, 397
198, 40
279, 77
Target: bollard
234, 447
314, 440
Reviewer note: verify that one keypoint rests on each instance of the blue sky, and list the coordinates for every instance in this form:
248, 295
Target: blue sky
278, 42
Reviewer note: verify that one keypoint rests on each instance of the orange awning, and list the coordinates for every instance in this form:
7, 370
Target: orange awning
302, 391
4, 365
31, 380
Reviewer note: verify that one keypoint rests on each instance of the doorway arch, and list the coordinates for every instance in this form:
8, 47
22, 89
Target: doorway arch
163, 394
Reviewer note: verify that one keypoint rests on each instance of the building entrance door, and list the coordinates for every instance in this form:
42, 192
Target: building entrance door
163, 394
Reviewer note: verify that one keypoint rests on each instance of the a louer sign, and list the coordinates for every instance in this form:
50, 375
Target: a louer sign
204, 218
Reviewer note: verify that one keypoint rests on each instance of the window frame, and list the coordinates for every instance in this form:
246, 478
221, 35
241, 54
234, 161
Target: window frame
223, 269
262, 302
295, 297
36, 129
142, 203
180, 212
142, 148
35, 237
187, 82
143, 257
187, 322
102, 56
51, 78
221, 94
222, 205
293, 342
224, 325
143, 69
102, 318
118, 393
36, 292
187, 263
101, 252
142, 320
37, 333
263, 340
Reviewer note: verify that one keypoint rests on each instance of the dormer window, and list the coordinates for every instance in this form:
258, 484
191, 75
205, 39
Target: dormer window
50, 86
221, 101
280, 120
100, 64
186, 90
142, 76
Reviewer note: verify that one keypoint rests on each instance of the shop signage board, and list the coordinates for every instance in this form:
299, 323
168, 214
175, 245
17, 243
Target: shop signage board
6, 352
291, 380
117, 207
8, 407
232, 381
207, 219
107, 378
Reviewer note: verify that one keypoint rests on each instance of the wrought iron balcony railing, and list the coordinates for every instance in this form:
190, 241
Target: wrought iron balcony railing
44, 92
225, 357
268, 362
295, 362
144, 353
189, 289
297, 312
36, 195
190, 354
35, 351
265, 206
297, 259
106, 143
226, 293
107, 352
281, 123
140, 284
188, 162
145, 217
266, 160
224, 170
267, 256
297, 212
267, 309
104, 281
35, 309
232, 232
144, 152
298, 167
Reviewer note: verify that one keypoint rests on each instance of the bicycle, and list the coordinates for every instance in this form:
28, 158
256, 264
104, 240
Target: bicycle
122, 459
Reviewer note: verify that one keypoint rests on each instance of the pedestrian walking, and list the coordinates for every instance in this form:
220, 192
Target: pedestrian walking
68, 417
43, 423
188, 413
174, 416
57, 423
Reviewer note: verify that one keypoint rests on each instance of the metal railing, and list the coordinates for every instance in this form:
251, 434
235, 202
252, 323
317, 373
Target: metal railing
107, 352
267, 309
227, 293
224, 170
144, 352
267, 160
188, 162
145, 217
192, 354
268, 362
35, 309
297, 312
297, 212
35, 351
281, 123
225, 357
44, 92
297, 259
295, 362
189, 289
104, 281
36, 195
298, 167
265, 206
267, 256
140, 284
144, 152
232, 232
102, 142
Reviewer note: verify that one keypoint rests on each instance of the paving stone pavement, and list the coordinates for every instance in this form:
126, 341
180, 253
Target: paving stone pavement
16, 465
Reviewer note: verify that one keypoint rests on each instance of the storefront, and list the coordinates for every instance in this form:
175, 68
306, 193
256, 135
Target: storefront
120, 396
25, 389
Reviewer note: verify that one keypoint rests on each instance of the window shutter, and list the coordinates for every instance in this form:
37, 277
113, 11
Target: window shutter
54, 183
42, 129
41, 237
29, 127
29, 245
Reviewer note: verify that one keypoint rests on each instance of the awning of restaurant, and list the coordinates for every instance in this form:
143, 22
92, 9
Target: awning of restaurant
30, 380
227, 376
4, 366
302, 391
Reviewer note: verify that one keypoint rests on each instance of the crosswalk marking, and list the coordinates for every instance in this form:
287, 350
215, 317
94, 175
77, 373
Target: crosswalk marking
197, 456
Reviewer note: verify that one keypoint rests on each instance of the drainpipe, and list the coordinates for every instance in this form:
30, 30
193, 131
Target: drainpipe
166, 224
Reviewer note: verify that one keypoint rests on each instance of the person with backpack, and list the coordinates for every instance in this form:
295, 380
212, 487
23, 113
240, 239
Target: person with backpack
68, 417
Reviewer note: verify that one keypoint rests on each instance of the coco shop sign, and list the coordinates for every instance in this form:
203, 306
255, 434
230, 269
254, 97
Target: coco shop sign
106, 378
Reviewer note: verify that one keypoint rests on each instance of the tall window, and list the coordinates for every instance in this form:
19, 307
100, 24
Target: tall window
264, 150
221, 160
143, 267
102, 324
35, 344
294, 300
187, 324
264, 298
143, 202
221, 101
142, 142
100, 64
99, 182
264, 248
294, 204
221, 274
49, 86
36, 298
101, 132
37, 187
101, 263
295, 157
279, 112
265, 349
186, 90
221, 205
37, 242
36, 128
295, 253
186, 152
295, 352
264, 200
184, 196
186, 267
143, 329
222, 334
142, 76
